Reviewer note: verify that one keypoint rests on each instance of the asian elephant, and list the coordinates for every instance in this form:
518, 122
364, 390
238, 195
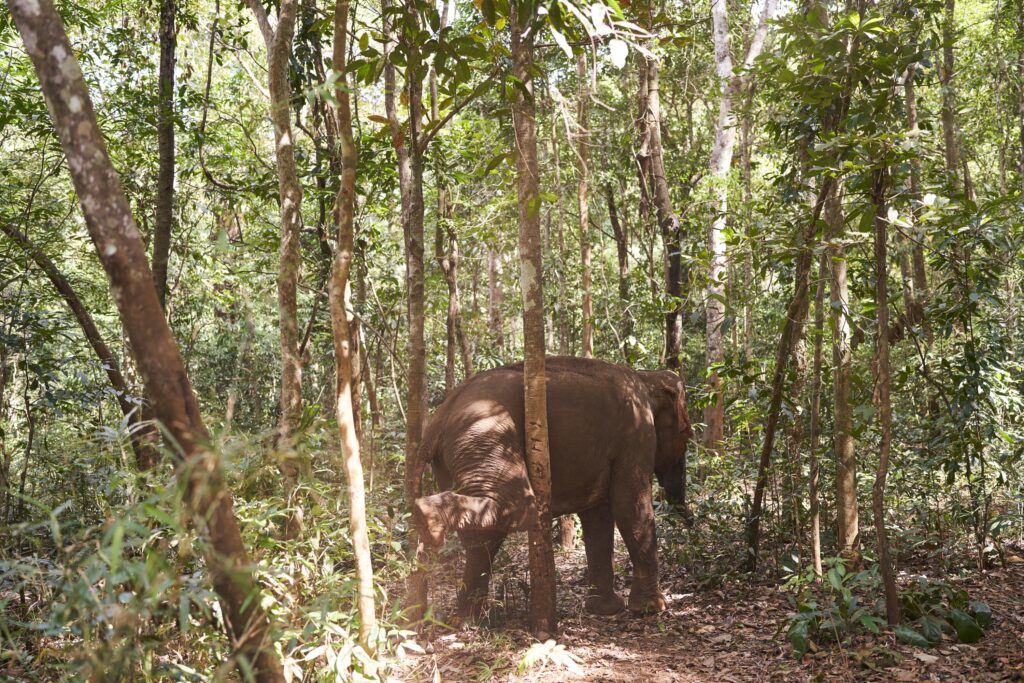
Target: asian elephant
610, 428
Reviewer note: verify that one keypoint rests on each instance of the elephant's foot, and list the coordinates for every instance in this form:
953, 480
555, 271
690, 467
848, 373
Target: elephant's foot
604, 605
646, 602
429, 522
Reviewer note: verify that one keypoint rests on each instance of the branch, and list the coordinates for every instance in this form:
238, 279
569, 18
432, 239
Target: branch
432, 133
264, 23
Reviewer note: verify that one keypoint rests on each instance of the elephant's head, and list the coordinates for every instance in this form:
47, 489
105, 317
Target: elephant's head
672, 423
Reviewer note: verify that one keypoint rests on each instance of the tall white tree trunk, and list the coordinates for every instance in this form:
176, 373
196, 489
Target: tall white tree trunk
731, 85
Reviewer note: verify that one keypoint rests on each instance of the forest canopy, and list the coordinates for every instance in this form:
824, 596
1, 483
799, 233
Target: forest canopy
248, 248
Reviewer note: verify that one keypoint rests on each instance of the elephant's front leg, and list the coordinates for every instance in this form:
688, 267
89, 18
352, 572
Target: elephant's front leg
481, 548
634, 515
599, 538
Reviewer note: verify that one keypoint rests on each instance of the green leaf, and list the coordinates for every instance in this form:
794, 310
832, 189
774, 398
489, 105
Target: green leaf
910, 636
931, 628
798, 637
967, 629
981, 612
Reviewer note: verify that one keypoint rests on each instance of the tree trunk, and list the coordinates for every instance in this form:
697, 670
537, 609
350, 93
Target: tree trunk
621, 232
163, 224
279, 52
123, 256
812, 482
582, 199
1020, 93
142, 435
731, 85
344, 350
892, 597
949, 98
847, 527
668, 223
410, 182
543, 615
446, 247
920, 278
796, 312
496, 299
564, 312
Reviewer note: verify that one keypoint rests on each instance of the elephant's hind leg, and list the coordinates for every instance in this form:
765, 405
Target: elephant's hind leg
441, 513
598, 539
481, 549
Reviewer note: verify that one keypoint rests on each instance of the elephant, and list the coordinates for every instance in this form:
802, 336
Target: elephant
609, 429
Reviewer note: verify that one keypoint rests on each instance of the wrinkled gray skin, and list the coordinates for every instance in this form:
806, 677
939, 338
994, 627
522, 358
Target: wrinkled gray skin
609, 427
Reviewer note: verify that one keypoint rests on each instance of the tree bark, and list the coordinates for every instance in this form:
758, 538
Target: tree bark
812, 481
341, 324
142, 435
668, 222
621, 232
279, 51
920, 277
496, 299
164, 222
949, 98
731, 85
543, 615
892, 598
582, 198
120, 250
410, 181
847, 526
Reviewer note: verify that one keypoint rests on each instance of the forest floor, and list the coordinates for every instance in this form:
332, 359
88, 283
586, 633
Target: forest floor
735, 631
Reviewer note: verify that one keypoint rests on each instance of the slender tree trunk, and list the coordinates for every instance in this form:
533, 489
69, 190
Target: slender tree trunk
543, 615
496, 299
446, 247
344, 350
731, 85
163, 225
917, 255
668, 222
142, 435
812, 482
120, 250
643, 156
582, 198
1020, 93
563, 318
621, 232
410, 181
892, 598
946, 74
847, 527
796, 312
279, 52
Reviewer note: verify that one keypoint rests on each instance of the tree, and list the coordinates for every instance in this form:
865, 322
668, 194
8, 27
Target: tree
164, 223
120, 250
142, 435
880, 181
732, 86
341, 324
543, 616
582, 198
279, 51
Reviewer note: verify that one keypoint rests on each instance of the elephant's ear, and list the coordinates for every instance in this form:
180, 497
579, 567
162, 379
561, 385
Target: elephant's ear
682, 414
